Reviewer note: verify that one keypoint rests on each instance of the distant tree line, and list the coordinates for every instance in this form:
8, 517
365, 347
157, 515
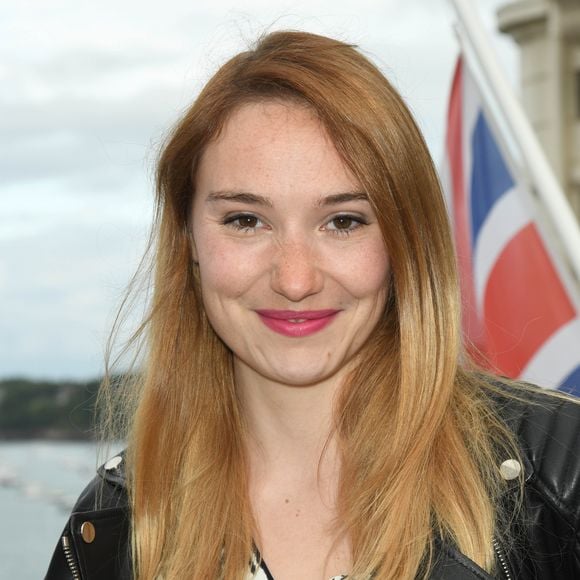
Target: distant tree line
47, 409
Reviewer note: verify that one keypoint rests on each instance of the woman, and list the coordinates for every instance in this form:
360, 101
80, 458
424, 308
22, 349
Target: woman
305, 409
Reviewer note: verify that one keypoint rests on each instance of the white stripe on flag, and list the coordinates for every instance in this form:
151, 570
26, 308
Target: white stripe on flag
506, 218
556, 358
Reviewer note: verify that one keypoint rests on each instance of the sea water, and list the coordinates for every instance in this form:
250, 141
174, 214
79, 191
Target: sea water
39, 483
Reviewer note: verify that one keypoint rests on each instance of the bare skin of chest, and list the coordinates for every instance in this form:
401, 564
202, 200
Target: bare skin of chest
297, 536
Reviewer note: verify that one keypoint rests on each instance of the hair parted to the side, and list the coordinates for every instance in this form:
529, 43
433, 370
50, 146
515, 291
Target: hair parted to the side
418, 436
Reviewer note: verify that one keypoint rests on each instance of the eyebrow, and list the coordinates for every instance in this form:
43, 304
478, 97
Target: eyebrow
240, 197
339, 198
255, 199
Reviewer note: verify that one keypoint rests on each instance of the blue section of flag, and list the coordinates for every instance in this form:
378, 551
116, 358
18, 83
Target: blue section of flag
571, 384
490, 177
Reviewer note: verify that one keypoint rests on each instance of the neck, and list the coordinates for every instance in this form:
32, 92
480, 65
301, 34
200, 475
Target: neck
289, 427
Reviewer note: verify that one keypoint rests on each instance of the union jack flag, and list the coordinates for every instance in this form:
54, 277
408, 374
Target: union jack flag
519, 312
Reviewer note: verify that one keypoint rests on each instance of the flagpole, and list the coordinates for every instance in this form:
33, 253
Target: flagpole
547, 186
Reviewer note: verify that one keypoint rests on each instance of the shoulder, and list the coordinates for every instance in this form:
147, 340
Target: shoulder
95, 541
545, 540
547, 427
107, 490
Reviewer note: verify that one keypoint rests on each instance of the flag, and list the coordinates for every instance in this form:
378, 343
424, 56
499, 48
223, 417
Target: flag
518, 312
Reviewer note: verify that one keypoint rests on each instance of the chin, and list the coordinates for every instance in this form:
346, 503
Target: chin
301, 377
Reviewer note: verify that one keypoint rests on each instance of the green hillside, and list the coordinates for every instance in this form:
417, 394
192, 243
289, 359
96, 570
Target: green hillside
44, 409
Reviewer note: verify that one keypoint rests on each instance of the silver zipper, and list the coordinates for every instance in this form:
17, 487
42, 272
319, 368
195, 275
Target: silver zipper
70, 560
501, 558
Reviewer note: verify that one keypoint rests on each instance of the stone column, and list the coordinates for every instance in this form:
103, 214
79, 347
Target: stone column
548, 34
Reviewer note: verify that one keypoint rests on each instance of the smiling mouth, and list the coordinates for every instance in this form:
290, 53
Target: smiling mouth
297, 324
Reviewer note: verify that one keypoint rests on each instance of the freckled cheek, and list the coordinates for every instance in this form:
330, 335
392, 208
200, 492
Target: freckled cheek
226, 270
366, 273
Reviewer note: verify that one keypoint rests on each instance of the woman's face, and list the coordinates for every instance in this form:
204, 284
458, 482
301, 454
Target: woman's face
292, 262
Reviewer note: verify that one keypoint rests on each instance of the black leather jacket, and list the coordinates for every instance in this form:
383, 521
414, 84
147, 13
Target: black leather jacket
544, 544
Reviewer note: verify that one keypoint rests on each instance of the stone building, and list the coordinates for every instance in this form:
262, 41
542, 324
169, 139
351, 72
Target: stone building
548, 34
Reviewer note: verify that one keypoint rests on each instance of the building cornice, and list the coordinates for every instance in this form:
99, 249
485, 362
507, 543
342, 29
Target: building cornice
519, 17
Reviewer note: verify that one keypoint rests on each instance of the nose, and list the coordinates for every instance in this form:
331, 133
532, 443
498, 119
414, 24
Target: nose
296, 273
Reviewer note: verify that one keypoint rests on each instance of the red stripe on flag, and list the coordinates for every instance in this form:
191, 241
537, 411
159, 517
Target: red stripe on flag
525, 302
472, 327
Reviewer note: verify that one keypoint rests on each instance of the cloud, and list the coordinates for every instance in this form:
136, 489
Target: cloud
59, 291
89, 90
86, 137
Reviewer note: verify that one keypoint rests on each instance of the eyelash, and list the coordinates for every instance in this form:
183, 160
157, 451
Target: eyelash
230, 221
357, 222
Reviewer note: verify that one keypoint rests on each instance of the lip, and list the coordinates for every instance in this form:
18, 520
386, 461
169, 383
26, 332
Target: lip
283, 321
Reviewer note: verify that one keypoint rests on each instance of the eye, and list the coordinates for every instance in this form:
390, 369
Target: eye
245, 222
345, 224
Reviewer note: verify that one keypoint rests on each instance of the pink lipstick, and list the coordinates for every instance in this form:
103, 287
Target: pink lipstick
297, 323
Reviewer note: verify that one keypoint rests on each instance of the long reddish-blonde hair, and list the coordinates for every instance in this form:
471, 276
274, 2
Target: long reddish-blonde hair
418, 437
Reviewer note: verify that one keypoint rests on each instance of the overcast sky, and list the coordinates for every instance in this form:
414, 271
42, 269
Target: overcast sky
88, 89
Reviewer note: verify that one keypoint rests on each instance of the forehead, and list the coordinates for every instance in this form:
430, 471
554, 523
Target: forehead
273, 113
271, 147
